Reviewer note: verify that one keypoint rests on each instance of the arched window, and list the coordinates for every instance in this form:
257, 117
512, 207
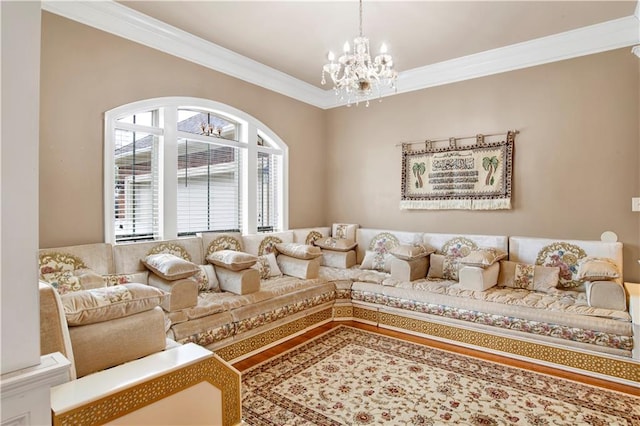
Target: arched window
177, 166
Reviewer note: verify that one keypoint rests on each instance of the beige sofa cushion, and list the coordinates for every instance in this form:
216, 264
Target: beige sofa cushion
299, 251
169, 266
483, 257
108, 303
377, 261
411, 251
336, 244
232, 260
478, 278
597, 269
344, 230
606, 295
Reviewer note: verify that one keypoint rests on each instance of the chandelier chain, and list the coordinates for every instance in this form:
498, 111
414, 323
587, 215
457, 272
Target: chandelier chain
360, 18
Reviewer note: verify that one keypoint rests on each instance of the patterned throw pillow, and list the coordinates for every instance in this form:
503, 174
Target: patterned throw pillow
232, 260
483, 257
564, 256
410, 252
169, 266
597, 269
299, 251
312, 237
344, 231
336, 244
207, 279
529, 277
267, 266
444, 267
64, 282
268, 245
377, 261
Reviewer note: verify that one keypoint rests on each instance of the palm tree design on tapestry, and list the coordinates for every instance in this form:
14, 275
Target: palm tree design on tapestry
418, 171
490, 165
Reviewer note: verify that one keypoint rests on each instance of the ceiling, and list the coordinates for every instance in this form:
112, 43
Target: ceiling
282, 45
295, 36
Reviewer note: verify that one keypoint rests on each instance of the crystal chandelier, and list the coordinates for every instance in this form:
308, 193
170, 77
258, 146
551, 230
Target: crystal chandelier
355, 76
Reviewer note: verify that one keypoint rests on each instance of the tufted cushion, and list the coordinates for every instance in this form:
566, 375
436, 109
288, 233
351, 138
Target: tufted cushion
108, 303
169, 266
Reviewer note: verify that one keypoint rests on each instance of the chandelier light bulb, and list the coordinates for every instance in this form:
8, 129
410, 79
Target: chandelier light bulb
346, 47
383, 49
331, 56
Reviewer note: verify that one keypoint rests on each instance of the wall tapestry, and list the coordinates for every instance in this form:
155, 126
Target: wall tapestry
471, 177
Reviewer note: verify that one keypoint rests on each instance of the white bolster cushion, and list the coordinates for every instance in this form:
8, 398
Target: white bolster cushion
299, 268
245, 281
338, 259
409, 270
606, 295
479, 279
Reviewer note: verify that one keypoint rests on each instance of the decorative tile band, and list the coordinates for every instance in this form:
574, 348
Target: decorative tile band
622, 369
258, 341
211, 370
343, 311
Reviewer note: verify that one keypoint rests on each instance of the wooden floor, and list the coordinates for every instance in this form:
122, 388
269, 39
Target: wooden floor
270, 353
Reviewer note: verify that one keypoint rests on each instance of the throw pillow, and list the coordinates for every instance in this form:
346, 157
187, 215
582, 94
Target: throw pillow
136, 277
444, 267
64, 282
299, 251
565, 256
336, 244
531, 277
232, 260
597, 269
410, 252
267, 266
344, 231
483, 257
377, 261
108, 303
207, 278
169, 266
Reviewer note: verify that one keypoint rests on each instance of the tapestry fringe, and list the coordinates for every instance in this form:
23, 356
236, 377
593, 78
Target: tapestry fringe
497, 204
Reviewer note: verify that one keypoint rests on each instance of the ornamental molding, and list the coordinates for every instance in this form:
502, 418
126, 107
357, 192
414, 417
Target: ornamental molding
124, 22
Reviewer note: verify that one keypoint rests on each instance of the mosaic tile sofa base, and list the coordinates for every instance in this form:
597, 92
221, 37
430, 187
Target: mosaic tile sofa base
439, 293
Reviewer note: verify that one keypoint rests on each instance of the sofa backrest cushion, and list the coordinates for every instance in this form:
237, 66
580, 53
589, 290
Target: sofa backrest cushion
459, 245
562, 253
127, 258
216, 241
97, 257
261, 244
381, 240
309, 235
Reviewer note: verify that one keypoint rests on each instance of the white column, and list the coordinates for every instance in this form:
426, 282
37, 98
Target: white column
20, 41
26, 377
250, 199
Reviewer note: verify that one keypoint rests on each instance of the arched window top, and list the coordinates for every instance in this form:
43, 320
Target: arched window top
224, 168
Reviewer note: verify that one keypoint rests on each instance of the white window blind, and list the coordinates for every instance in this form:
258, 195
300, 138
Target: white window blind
208, 187
268, 182
135, 185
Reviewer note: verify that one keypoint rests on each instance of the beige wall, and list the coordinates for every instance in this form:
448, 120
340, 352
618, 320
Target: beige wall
85, 72
576, 157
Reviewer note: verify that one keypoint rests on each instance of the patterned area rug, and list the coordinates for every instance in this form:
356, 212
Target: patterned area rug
353, 377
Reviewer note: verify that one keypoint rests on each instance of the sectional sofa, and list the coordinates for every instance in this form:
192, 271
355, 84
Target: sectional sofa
507, 300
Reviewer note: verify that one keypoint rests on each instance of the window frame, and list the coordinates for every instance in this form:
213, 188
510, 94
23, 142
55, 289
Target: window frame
249, 128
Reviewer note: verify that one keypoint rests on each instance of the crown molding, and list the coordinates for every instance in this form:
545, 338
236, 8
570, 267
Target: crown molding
124, 22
